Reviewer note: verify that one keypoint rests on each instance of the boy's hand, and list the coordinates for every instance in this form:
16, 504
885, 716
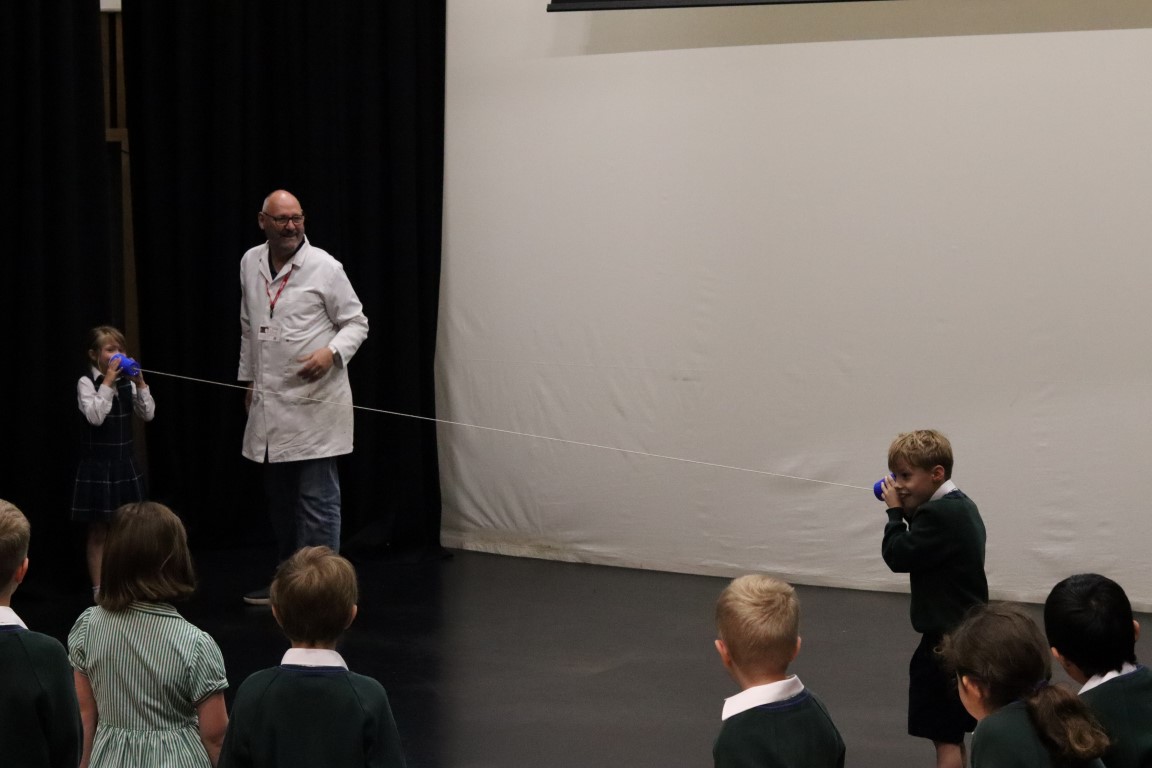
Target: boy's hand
890, 494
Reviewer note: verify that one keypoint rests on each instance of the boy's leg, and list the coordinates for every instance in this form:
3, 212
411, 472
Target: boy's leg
934, 708
949, 755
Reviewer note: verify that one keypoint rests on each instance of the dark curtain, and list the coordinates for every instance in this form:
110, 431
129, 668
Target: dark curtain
342, 104
60, 277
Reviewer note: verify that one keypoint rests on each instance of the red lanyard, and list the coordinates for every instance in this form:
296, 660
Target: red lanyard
268, 292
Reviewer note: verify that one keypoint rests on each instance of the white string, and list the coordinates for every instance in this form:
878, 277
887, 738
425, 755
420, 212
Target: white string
513, 432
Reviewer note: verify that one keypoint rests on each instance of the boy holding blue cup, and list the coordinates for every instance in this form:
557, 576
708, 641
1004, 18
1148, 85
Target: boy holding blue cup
935, 535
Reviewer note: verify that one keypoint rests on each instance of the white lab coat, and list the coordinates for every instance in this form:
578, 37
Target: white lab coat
316, 308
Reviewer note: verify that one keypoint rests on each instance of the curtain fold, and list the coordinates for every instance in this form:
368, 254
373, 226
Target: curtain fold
60, 276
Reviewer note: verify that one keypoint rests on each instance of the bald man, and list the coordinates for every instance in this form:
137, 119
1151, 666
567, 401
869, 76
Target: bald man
300, 324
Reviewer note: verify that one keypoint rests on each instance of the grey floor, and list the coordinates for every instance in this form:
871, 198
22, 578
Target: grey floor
499, 662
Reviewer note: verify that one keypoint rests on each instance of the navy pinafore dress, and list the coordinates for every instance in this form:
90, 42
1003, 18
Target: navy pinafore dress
107, 476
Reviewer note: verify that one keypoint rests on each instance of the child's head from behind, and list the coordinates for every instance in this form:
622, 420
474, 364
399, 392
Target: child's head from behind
1088, 620
103, 342
1000, 650
146, 557
14, 536
314, 596
920, 461
758, 623
1000, 656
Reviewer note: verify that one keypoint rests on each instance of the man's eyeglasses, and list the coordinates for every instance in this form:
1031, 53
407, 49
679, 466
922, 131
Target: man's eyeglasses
280, 221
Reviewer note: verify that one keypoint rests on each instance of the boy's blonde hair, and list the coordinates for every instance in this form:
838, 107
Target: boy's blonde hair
758, 618
923, 449
15, 532
313, 594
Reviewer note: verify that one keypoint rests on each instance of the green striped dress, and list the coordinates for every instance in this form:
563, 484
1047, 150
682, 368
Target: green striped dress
148, 669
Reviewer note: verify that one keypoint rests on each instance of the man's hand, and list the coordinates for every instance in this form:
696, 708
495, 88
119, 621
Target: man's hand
316, 364
248, 396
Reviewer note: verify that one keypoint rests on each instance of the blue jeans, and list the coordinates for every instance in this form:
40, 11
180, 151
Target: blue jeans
304, 504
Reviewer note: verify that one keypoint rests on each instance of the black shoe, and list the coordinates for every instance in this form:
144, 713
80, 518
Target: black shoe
258, 597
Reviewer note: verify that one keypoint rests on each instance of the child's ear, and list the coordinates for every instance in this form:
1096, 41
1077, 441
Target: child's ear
796, 650
1136, 629
1073, 671
351, 616
938, 474
972, 696
21, 572
972, 687
276, 615
725, 656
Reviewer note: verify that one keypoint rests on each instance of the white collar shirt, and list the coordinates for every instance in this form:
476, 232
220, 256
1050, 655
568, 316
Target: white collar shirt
9, 617
758, 695
944, 490
313, 657
1096, 680
95, 400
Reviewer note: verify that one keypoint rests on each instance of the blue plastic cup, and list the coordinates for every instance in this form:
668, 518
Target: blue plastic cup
878, 488
127, 364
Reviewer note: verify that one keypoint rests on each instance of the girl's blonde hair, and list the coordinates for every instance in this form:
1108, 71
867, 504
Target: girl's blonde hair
98, 337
